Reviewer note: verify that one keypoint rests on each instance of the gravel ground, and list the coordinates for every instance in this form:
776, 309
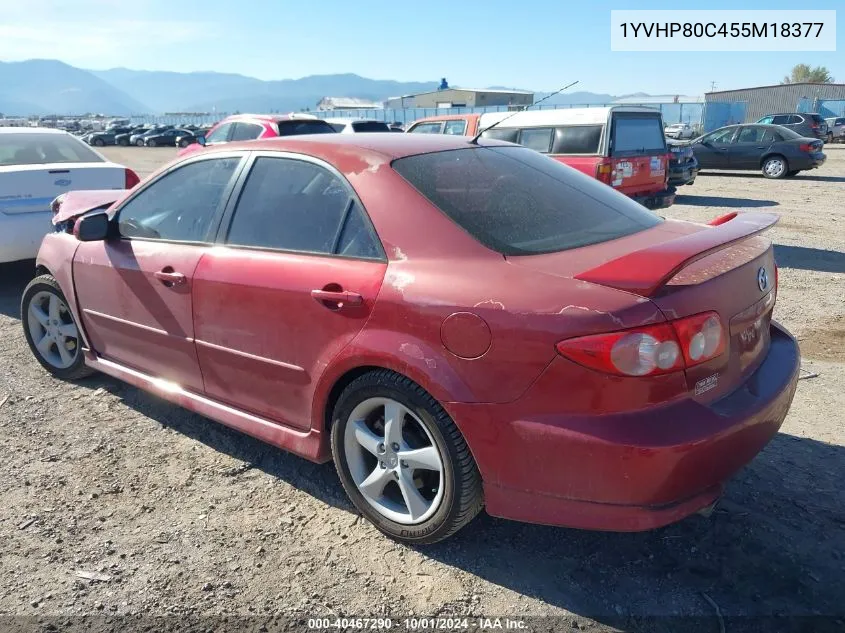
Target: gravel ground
173, 514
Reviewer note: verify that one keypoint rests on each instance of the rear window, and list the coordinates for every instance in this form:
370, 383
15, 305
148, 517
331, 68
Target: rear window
518, 202
636, 135
294, 128
503, 134
577, 139
38, 149
370, 126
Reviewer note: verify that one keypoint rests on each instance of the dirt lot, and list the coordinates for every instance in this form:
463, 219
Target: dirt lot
183, 516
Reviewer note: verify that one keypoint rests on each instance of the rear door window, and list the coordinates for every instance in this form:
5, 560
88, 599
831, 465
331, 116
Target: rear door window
457, 127
637, 135
751, 134
432, 127
220, 134
295, 128
370, 126
246, 131
720, 137
294, 205
538, 139
577, 139
781, 119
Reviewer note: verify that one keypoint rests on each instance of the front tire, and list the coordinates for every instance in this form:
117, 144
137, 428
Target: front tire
51, 331
151, 143
402, 460
139, 143
99, 142
775, 167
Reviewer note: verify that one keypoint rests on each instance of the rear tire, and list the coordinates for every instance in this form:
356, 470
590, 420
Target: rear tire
151, 143
183, 143
139, 143
123, 142
775, 167
375, 451
45, 315
99, 142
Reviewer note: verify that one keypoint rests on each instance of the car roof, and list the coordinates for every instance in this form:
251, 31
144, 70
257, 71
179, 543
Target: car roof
389, 146
31, 130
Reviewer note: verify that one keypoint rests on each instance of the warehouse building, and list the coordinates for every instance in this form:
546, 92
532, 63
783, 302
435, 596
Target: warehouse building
346, 103
446, 97
803, 97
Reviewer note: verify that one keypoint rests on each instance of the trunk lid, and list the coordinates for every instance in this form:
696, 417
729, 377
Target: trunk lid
31, 188
685, 269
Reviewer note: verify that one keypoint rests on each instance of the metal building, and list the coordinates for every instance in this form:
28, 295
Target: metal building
763, 100
462, 98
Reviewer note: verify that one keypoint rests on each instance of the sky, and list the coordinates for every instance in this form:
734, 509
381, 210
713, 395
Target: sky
536, 45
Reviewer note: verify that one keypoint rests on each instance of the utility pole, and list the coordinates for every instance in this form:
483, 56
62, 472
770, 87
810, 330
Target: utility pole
713, 85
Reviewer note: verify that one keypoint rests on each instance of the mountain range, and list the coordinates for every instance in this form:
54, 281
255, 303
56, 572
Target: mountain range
43, 86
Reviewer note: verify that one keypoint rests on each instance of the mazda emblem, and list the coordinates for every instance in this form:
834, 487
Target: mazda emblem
762, 279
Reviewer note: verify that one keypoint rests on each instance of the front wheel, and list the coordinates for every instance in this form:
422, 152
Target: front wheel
151, 143
99, 142
139, 143
775, 167
402, 460
51, 331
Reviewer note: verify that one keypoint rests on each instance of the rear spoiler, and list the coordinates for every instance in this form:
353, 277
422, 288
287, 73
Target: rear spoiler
643, 272
75, 203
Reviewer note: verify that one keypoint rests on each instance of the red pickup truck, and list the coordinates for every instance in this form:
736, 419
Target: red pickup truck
622, 146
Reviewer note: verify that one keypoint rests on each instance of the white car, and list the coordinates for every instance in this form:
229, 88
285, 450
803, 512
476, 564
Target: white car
679, 131
357, 126
36, 166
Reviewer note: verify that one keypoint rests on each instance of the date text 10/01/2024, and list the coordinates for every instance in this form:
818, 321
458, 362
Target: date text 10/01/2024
416, 624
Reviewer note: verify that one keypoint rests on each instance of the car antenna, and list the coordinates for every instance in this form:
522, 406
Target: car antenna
474, 139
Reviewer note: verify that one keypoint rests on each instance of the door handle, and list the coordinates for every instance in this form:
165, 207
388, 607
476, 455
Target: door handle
723, 149
169, 277
340, 297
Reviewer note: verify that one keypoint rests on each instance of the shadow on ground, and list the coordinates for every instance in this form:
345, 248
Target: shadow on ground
720, 201
13, 279
804, 175
809, 258
775, 545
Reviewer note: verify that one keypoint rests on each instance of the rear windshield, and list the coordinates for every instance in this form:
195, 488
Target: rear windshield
294, 128
370, 126
637, 134
518, 202
38, 149
786, 133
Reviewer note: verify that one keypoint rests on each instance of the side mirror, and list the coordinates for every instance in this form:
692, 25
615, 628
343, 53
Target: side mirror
201, 140
92, 228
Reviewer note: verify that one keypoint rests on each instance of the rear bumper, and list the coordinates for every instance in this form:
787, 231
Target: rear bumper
660, 200
682, 173
626, 471
812, 161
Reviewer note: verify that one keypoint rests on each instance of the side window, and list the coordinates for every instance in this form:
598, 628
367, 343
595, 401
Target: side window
577, 139
457, 127
502, 134
795, 119
538, 139
357, 238
181, 204
246, 132
721, 138
220, 135
781, 119
766, 119
338, 127
750, 135
772, 136
427, 128
290, 205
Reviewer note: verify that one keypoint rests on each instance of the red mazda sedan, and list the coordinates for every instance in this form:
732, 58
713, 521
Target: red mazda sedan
457, 325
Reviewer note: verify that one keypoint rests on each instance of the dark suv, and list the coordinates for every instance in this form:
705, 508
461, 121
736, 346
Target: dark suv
807, 124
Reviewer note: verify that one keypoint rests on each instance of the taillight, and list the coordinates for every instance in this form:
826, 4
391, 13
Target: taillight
650, 351
702, 337
644, 351
130, 178
603, 172
806, 147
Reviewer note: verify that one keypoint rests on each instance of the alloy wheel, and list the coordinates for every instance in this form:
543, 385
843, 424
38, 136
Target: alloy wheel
52, 329
394, 461
774, 167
